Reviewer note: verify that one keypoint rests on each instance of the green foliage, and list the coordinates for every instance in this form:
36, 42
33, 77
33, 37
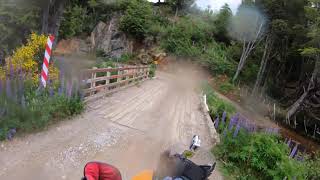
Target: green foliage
39, 111
152, 71
249, 73
16, 23
226, 87
216, 59
221, 23
180, 5
137, 19
257, 156
217, 105
187, 37
82, 16
74, 21
312, 165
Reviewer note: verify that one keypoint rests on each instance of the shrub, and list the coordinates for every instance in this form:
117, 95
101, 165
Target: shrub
312, 165
215, 58
257, 156
137, 19
187, 37
38, 110
152, 71
74, 21
216, 105
226, 87
29, 58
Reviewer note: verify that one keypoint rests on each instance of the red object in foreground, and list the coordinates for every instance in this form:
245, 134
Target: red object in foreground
101, 171
46, 61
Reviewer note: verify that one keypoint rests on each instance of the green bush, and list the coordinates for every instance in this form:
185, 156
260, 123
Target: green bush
152, 71
37, 111
257, 156
74, 21
216, 105
216, 59
226, 87
187, 37
137, 19
312, 165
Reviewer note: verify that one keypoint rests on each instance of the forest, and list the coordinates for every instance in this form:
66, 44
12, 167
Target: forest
270, 46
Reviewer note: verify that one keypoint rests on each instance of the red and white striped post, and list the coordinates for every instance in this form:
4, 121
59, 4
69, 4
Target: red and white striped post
46, 61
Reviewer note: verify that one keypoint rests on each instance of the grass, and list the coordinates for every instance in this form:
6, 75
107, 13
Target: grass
226, 88
257, 156
217, 105
36, 110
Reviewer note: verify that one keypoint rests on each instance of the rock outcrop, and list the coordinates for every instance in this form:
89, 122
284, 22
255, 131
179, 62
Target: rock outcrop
107, 37
72, 46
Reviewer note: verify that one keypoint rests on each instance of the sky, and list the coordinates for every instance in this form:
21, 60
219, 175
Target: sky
215, 4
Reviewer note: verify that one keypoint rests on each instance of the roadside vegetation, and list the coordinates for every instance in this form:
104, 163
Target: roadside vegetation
270, 46
24, 107
247, 153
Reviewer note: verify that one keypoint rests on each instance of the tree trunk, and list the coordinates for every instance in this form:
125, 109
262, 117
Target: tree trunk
315, 77
45, 18
247, 49
264, 63
55, 18
176, 14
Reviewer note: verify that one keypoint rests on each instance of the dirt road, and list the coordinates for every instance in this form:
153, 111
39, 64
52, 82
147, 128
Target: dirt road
128, 129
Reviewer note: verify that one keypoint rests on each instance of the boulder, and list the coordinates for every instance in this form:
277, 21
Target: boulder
107, 37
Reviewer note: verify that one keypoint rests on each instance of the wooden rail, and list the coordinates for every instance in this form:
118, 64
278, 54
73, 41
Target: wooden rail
112, 79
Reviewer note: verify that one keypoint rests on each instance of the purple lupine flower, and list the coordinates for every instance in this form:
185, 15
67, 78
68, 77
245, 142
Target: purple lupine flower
231, 123
61, 88
254, 127
237, 117
235, 133
11, 69
8, 88
51, 90
0, 86
289, 143
15, 90
224, 115
294, 151
222, 122
216, 123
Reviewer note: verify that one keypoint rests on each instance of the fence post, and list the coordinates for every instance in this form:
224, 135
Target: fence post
127, 72
93, 81
274, 111
119, 79
108, 76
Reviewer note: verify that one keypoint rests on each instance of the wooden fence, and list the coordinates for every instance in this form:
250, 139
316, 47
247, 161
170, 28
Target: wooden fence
112, 79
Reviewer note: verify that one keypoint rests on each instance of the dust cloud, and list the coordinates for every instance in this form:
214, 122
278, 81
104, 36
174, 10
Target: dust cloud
247, 25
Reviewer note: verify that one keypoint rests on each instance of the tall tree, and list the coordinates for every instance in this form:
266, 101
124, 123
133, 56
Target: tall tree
180, 5
221, 24
277, 31
247, 27
16, 22
310, 99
